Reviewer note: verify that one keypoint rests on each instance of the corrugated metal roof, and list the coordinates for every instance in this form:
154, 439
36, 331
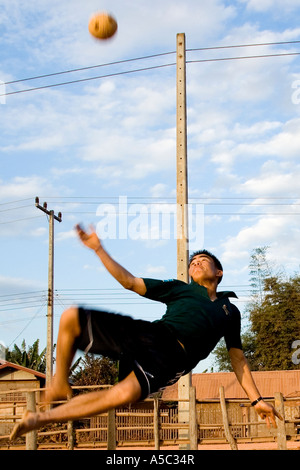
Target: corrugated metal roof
268, 382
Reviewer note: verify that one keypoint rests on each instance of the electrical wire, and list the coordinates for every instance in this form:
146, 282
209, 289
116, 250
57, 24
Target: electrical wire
14, 202
148, 68
280, 43
126, 72
263, 56
208, 203
91, 67
21, 220
26, 326
147, 200
202, 49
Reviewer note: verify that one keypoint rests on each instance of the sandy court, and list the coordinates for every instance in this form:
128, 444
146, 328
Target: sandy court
291, 445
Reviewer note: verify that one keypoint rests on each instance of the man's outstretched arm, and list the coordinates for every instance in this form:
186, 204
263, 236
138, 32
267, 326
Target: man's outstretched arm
242, 371
124, 277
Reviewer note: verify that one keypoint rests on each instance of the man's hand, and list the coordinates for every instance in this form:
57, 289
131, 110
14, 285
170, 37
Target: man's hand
242, 371
91, 239
124, 277
267, 412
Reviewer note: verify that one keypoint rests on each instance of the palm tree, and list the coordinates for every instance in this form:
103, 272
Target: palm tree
31, 358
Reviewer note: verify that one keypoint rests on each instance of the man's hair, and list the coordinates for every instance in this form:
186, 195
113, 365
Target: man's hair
217, 263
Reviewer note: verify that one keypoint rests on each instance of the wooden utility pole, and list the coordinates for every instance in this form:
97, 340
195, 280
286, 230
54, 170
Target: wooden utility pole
49, 353
182, 213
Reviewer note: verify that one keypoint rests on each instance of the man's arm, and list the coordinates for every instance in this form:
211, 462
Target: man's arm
125, 278
242, 371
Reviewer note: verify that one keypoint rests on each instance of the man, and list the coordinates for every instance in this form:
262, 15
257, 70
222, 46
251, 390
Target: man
152, 354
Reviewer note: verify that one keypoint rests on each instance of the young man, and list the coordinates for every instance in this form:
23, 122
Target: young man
152, 355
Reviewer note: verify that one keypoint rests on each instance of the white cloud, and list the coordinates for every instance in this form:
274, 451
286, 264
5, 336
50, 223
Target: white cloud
57, 32
280, 232
267, 142
276, 179
155, 270
62, 236
18, 211
22, 187
287, 143
271, 5
159, 190
94, 268
11, 285
38, 232
117, 135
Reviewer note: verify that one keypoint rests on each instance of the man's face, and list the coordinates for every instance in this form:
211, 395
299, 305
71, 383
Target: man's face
202, 268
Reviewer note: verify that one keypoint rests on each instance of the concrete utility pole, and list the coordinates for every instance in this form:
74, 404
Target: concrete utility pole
49, 353
182, 179
182, 216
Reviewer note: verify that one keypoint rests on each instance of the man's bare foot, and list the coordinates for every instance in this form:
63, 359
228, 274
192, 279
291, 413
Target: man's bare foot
58, 391
28, 423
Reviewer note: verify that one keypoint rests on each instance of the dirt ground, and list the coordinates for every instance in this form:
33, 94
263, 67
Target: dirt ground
291, 445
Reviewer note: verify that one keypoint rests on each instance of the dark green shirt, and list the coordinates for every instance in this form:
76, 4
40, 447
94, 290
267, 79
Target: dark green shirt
197, 322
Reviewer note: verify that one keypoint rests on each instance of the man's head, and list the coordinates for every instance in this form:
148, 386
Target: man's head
203, 263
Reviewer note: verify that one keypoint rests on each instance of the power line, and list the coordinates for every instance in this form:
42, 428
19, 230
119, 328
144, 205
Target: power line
174, 198
202, 49
208, 202
280, 43
17, 300
14, 202
22, 294
126, 72
81, 69
26, 326
148, 68
263, 56
15, 208
20, 220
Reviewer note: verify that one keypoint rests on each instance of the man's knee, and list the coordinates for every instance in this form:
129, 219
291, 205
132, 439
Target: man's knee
70, 321
130, 389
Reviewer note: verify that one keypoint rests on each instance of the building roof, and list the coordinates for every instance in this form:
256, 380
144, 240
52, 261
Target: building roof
268, 382
11, 365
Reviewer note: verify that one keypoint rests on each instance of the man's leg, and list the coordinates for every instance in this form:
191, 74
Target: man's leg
89, 404
69, 330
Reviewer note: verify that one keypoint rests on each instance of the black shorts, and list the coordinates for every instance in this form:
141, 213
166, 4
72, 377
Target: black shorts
149, 349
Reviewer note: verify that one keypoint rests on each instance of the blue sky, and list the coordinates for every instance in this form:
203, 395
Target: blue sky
88, 147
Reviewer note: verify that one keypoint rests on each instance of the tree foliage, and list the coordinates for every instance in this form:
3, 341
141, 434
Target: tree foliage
259, 270
30, 358
222, 358
274, 317
87, 370
95, 370
276, 324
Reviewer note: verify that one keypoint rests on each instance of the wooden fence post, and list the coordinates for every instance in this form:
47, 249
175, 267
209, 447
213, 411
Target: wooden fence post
111, 429
193, 420
281, 431
70, 434
156, 424
31, 437
228, 434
